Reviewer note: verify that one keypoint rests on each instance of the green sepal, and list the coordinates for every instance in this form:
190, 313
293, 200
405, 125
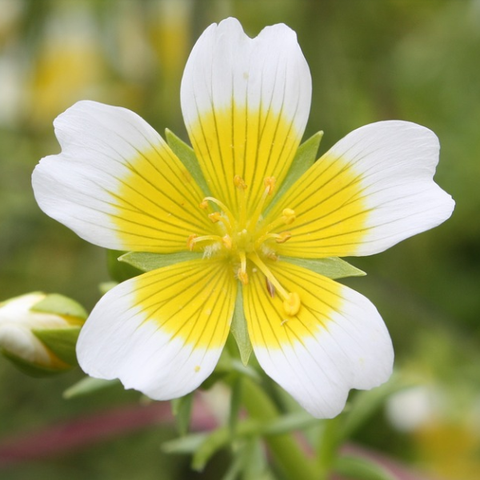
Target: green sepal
145, 261
331, 267
182, 411
303, 160
239, 328
187, 156
120, 271
32, 369
57, 304
360, 468
60, 341
87, 386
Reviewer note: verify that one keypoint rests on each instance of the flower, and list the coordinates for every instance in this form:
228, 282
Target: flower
38, 332
245, 102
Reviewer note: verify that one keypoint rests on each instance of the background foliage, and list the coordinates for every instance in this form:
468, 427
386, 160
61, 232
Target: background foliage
370, 60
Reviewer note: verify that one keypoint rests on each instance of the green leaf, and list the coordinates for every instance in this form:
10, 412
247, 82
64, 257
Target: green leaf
303, 160
188, 444
187, 156
61, 341
120, 271
60, 305
239, 328
182, 410
290, 422
87, 386
32, 369
332, 267
361, 468
150, 261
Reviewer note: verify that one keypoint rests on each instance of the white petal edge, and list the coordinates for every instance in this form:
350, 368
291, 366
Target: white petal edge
117, 341
353, 351
267, 72
397, 162
101, 147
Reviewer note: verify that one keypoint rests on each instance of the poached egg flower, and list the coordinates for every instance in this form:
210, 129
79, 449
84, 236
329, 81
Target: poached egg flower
245, 102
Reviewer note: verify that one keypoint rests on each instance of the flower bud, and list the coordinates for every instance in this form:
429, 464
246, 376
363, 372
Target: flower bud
38, 332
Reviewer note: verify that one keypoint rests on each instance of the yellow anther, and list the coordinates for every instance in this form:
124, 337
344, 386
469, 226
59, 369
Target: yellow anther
227, 241
270, 184
288, 216
239, 182
191, 241
292, 304
242, 276
215, 216
283, 237
204, 204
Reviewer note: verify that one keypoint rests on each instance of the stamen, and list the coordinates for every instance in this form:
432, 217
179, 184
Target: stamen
291, 300
278, 237
288, 216
227, 241
269, 186
203, 205
191, 241
292, 304
231, 219
283, 237
242, 271
239, 182
215, 216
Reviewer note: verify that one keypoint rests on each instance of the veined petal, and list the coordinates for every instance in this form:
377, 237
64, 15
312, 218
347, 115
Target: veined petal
337, 340
371, 190
245, 103
117, 184
162, 332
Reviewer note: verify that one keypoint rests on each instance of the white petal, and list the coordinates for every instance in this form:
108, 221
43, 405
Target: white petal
245, 103
371, 190
161, 333
336, 342
116, 183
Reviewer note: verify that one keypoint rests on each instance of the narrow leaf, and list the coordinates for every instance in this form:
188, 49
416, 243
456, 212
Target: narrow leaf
332, 267
187, 156
361, 468
304, 159
235, 405
87, 386
239, 328
145, 262
61, 341
188, 444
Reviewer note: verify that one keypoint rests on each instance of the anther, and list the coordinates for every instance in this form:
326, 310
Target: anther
283, 237
215, 216
239, 182
292, 304
288, 216
270, 184
191, 241
227, 241
242, 276
204, 204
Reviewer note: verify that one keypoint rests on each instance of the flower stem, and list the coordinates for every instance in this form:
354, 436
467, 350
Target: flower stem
327, 448
285, 450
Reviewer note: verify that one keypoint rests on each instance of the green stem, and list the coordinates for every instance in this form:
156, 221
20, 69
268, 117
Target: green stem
284, 448
327, 448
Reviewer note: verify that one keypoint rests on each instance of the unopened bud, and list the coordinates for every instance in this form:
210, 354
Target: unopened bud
38, 332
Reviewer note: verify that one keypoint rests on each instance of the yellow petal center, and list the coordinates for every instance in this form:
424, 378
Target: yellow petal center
245, 241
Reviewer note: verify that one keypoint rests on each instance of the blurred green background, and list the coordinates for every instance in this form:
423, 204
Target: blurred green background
370, 60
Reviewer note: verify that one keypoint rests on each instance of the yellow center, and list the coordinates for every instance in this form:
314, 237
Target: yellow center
245, 242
